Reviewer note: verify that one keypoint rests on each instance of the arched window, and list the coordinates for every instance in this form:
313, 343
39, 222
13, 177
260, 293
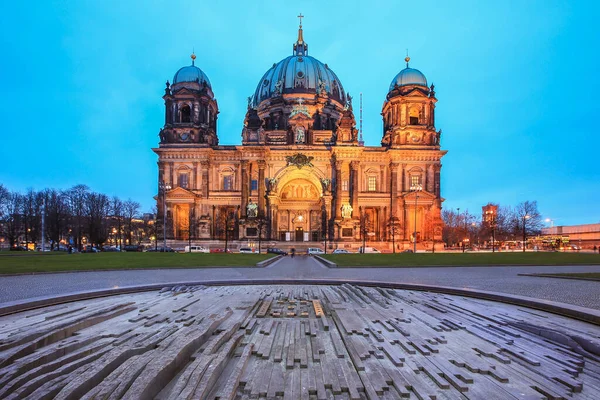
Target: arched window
227, 179
185, 114
414, 116
183, 180
371, 176
415, 178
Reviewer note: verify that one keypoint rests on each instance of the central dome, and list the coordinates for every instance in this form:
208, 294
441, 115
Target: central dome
298, 73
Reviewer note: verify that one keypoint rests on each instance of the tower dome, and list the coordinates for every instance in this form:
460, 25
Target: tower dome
298, 73
408, 76
191, 73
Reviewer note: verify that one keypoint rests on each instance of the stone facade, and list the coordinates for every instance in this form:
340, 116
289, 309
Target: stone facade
301, 171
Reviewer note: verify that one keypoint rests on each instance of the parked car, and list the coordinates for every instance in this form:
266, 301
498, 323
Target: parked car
90, 249
247, 250
18, 248
341, 251
275, 250
368, 250
314, 250
111, 249
162, 250
133, 247
196, 249
220, 250
407, 251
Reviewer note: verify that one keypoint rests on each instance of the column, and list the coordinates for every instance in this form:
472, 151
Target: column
194, 183
354, 188
403, 177
430, 179
394, 188
384, 224
205, 167
338, 189
275, 223
437, 182
261, 187
173, 175
244, 164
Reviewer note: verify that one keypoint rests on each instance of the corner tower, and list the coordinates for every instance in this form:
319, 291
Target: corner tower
409, 111
190, 109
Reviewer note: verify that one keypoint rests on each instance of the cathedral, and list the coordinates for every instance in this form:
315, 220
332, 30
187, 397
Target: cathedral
302, 172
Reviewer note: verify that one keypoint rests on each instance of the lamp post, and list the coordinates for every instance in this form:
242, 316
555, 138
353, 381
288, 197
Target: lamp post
164, 187
416, 189
525, 218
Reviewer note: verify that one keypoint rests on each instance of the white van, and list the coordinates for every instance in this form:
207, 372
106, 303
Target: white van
314, 250
196, 249
368, 250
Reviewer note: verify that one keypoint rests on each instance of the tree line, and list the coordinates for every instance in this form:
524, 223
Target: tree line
507, 224
77, 216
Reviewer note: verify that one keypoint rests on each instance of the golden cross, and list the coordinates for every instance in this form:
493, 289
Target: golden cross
300, 16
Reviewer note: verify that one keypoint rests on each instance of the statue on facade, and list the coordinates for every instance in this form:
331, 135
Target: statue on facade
278, 87
252, 210
346, 211
300, 135
322, 88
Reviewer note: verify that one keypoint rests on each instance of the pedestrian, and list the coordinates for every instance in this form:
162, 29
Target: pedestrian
293, 252
70, 249
595, 248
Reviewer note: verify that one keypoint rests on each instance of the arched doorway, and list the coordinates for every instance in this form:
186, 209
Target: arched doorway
299, 210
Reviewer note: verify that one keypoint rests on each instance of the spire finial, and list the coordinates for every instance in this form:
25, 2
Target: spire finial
407, 59
193, 56
300, 48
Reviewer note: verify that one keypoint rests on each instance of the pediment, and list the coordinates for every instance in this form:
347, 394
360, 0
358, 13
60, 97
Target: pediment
180, 193
422, 195
416, 93
183, 91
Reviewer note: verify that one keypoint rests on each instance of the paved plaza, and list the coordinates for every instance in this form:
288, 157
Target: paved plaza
495, 279
313, 342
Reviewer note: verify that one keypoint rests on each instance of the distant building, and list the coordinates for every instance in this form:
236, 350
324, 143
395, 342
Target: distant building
584, 236
489, 213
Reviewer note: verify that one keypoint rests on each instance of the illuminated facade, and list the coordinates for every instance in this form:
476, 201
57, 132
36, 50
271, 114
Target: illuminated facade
301, 171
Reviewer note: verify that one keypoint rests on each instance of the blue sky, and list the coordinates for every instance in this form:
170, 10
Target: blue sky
516, 81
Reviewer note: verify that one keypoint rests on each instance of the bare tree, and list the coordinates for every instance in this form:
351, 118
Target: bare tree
527, 219
57, 213
12, 217
116, 209
77, 197
131, 210
4, 198
97, 209
395, 229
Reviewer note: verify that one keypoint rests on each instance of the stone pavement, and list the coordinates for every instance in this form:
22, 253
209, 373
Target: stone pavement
495, 279
342, 342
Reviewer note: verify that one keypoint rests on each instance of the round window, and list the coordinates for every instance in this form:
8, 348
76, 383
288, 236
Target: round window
266, 82
299, 74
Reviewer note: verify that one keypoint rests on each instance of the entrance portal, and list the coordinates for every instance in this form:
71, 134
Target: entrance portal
299, 234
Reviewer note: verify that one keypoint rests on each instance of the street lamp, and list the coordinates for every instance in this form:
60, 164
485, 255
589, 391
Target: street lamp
416, 189
164, 187
551, 221
525, 218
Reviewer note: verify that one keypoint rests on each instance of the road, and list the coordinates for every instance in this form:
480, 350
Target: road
496, 279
